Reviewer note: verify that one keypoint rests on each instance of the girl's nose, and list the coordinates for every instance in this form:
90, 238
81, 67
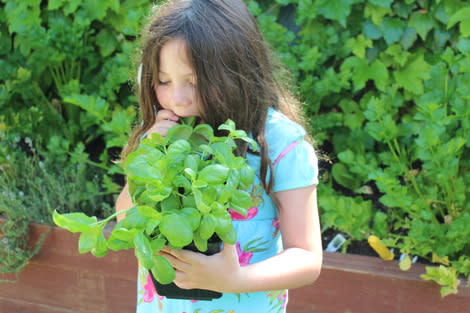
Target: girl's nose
180, 96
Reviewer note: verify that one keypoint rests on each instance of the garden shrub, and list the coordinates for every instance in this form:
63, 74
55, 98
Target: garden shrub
67, 103
386, 90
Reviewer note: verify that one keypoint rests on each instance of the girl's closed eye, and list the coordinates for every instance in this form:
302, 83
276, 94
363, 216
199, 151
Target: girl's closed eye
162, 83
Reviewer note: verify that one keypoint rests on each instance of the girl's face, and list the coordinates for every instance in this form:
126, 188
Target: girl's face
176, 86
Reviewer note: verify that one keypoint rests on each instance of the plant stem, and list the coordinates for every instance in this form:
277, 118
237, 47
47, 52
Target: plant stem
105, 221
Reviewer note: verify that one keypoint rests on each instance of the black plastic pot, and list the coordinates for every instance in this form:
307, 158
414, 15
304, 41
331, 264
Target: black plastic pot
172, 291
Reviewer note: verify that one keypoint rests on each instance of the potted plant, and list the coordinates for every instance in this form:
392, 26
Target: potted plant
182, 186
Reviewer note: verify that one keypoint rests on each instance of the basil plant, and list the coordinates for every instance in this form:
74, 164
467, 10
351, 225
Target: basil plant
181, 186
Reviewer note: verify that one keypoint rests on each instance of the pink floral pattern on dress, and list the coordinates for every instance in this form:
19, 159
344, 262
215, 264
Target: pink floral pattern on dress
243, 257
149, 291
252, 212
276, 226
282, 297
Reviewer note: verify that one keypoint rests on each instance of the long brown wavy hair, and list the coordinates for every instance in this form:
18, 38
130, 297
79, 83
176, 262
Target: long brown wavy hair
234, 70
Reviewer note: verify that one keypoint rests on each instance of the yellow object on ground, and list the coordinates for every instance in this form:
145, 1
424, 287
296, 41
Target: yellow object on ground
380, 248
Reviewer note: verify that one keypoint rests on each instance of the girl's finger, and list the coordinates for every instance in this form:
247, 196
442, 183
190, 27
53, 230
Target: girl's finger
174, 261
167, 115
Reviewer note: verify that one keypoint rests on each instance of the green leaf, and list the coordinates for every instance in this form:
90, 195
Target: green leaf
409, 38
205, 131
337, 10
200, 243
207, 227
344, 177
193, 217
422, 22
381, 3
223, 221
229, 237
392, 29
241, 199
106, 41
157, 244
176, 230
462, 16
94, 105
192, 162
412, 75
74, 222
200, 204
359, 45
121, 239
464, 46
179, 132
148, 211
54, 4
376, 13
101, 248
163, 272
379, 74
214, 174
228, 125
88, 239
179, 148
247, 176
143, 250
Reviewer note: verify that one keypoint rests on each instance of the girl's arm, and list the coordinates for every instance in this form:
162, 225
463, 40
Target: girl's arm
123, 202
299, 264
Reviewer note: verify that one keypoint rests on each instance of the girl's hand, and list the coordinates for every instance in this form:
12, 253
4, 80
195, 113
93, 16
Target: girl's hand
196, 270
164, 120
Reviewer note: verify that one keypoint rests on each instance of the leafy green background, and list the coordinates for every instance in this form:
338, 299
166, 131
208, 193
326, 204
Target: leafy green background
385, 85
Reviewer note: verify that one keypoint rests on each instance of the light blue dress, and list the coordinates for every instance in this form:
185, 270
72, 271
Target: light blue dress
258, 236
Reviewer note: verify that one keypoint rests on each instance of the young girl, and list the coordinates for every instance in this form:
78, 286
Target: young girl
207, 58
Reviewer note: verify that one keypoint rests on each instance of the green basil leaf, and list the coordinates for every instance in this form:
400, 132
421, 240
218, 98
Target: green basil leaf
179, 132
204, 130
158, 194
139, 168
179, 148
193, 217
229, 237
207, 227
223, 221
183, 182
231, 185
74, 222
121, 239
101, 248
228, 125
189, 201
214, 174
148, 211
134, 220
201, 244
171, 204
151, 225
176, 230
242, 199
247, 177
143, 250
209, 194
88, 239
157, 244
192, 162
163, 272
223, 152
200, 204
